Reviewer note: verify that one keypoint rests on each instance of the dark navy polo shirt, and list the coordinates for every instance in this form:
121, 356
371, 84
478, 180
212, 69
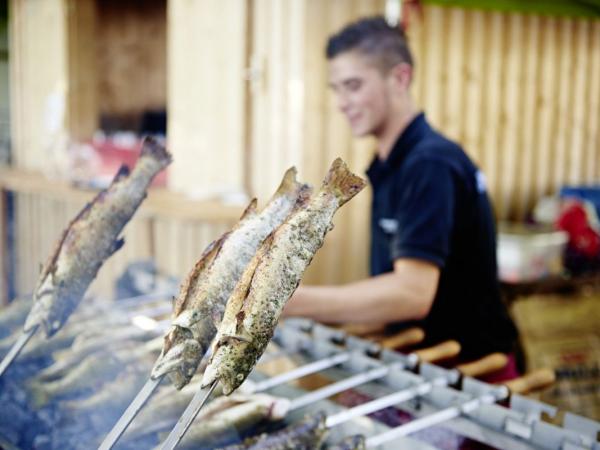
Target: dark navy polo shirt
430, 203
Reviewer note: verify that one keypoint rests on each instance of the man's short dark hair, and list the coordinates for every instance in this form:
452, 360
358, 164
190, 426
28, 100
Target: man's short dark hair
373, 37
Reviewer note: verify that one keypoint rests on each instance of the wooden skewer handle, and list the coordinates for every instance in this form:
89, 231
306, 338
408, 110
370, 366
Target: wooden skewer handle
488, 364
363, 329
405, 338
532, 381
445, 350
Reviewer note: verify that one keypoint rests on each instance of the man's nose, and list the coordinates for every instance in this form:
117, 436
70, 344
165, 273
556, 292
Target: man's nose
343, 103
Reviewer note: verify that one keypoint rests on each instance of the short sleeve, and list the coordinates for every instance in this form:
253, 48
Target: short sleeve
425, 212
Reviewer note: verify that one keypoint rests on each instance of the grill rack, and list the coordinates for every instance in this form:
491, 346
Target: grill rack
516, 425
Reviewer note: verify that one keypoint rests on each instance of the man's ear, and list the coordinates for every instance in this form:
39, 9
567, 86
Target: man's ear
402, 74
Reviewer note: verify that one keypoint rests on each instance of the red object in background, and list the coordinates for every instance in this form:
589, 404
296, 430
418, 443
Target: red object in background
113, 155
582, 237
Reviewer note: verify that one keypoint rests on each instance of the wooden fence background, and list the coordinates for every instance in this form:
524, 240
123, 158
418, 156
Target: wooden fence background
246, 95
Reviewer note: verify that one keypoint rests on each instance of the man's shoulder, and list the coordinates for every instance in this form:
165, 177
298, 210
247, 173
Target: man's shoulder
437, 149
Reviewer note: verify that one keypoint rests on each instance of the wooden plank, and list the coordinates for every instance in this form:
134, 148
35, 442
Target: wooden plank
84, 68
528, 95
490, 120
206, 94
541, 183
454, 74
563, 63
580, 63
160, 202
592, 173
475, 56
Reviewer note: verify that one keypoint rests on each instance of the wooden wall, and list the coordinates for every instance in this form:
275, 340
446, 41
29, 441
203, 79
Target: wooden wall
131, 63
520, 92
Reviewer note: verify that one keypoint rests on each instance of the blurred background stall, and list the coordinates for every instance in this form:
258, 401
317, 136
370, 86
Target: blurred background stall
239, 90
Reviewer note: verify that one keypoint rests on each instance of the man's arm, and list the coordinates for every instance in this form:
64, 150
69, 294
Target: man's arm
407, 293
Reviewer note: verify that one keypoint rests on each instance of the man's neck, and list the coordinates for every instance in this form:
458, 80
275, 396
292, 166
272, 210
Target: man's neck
390, 134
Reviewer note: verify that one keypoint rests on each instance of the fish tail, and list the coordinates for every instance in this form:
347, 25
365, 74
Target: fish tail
155, 150
122, 173
250, 209
291, 186
341, 182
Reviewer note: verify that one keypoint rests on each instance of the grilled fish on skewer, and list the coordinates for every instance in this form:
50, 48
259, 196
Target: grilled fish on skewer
356, 442
199, 307
235, 414
90, 239
254, 308
93, 370
308, 434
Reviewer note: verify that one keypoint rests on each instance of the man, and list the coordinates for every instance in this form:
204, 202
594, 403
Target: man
433, 247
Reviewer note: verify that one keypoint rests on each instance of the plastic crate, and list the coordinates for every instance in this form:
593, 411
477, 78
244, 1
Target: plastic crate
529, 254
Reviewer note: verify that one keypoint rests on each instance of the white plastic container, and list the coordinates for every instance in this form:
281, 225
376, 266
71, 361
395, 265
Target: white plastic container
529, 254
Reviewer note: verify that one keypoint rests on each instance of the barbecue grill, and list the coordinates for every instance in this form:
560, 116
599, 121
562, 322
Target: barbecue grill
434, 397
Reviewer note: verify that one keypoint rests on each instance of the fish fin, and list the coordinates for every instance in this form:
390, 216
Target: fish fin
261, 253
250, 209
225, 339
154, 149
290, 186
121, 174
341, 182
117, 244
205, 261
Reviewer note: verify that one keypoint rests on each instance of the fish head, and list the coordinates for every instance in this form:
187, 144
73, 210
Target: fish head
179, 359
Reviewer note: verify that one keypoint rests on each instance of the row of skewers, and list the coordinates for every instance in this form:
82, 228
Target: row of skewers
95, 374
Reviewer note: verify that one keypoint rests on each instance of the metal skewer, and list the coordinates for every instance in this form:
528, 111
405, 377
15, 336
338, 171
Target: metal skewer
299, 372
436, 418
383, 402
16, 348
188, 417
342, 385
134, 407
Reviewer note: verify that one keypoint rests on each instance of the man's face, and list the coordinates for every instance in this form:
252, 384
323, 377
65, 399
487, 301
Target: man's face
362, 92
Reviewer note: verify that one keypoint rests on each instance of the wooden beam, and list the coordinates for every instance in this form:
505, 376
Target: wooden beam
160, 202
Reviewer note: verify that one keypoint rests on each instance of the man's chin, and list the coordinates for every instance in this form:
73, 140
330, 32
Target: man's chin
360, 132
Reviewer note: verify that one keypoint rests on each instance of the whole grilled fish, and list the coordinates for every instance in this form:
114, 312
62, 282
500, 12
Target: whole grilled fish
90, 239
254, 308
230, 416
62, 366
13, 315
114, 396
199, 307
90, 373
356, 442
308, 434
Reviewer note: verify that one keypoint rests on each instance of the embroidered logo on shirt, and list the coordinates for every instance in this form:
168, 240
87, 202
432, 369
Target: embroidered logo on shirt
481, 182
389, 226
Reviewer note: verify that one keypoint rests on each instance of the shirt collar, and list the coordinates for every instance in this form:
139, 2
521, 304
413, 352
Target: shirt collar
407, 140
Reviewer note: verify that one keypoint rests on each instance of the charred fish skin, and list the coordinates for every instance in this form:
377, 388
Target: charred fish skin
271, 278
356, 442
234, 414
201, 301
91, 238
308, 434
